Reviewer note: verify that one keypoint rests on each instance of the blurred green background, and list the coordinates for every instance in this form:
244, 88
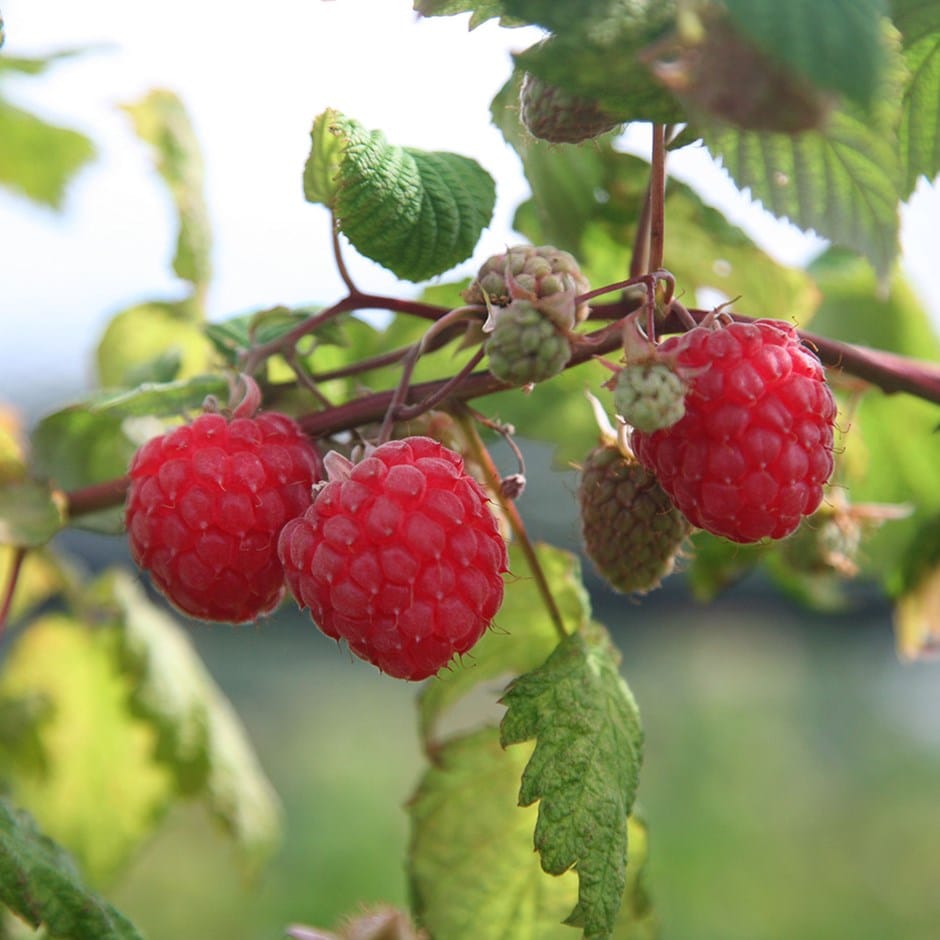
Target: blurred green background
790, 783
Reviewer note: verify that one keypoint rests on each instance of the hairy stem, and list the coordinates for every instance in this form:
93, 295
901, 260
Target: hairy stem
657, 197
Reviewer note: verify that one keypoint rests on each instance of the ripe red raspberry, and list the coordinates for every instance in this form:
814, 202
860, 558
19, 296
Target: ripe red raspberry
401, 558
751, 455
206, 504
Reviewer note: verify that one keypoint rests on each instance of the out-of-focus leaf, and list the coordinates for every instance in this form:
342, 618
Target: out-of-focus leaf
102, 792
12, 450
161, 399
836, 44
39, 159
30, 513
75, 448
416, 212
41, 576
917, 610
160, 119
715, 564
39, 883
523, 635
480, 10
843, 183
199, 739
152, 342
919, 133
584, 771
472, 870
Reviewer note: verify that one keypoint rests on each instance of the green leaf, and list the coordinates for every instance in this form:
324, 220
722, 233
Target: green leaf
102, 792
835, 43
199, 738
160, 120
523, 637
415, 212
919, 132
161, 399
471, 867
152, 342
75, 448
38, 159
321, 170
717, 564
39, 883
584, 771
843, 183
917, 612
30, 513
480, 10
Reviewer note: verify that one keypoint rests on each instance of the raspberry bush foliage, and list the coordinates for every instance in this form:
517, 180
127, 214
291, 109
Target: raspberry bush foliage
373, 473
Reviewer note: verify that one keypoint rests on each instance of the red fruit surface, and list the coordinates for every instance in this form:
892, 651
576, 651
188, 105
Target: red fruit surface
751, 455
402, 559
206, 504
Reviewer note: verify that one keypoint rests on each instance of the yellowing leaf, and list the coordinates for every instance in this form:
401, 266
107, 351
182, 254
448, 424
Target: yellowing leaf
102, 791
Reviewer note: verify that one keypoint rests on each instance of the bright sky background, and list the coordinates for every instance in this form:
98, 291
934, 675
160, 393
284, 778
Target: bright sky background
253, 77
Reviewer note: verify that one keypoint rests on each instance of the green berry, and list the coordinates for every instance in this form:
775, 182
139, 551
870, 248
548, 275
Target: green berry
630, 529
525, 346
649, 395
553, 114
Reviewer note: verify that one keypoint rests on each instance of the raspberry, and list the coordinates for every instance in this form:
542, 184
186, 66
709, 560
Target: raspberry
649, 395
629, 527
206, 504
751, 455
555, 115
546, 276
402, 558
525, 346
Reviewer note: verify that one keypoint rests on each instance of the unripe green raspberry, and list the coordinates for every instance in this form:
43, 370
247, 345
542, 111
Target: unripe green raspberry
558, 116
537, 274
630, 529
525, 346
649, 395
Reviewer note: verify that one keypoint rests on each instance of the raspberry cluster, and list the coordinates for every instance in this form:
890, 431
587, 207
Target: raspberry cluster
401, 557
751, 454
206, 504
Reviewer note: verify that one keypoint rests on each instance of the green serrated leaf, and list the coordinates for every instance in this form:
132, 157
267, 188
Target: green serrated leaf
843, 183
524, 636
74, 448
102, 793
30, 513
161, 399
584, 771
39, 883
199, 737
38, 159
471, 867
160, 119
834, 43
140, 344
417, 213
919, 132
480, 11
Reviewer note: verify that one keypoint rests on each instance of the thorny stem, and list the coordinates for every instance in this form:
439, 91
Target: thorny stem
640, 259
340, 261
19, 555
657, 191
890, 372
482, 456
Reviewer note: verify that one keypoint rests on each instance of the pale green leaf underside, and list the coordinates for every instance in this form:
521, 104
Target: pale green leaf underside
417, 213
919, 133
584, 770
834, 43
843, 183
30, 514
39, 883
